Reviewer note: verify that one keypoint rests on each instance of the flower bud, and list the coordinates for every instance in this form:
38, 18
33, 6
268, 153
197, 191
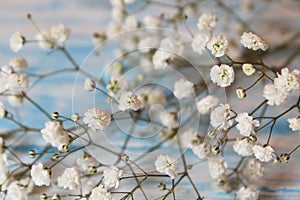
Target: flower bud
89, 85
56, 197
32, 153
92, 169
215, 149
125, 157
162, 186
248, 69
55, 156
276, 161
65, 148
75, 117
55, 115
284, 157
43, 196
240, 93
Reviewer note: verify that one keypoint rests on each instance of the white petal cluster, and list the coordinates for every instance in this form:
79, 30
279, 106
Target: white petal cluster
187, 137
54, 134
168, 119
183, 88
254, 42
16, 41
287, 81
246, 124
218, 45
130, 101
152, 21
207, 21
45, 41
111, 177
131, 23
294, 123
147, 43
264, 153
216, 166
205, 105
248, 69
167, 165
20, 189
96, 119
89, 85
70, 179
254, 169
222, 182
18, 64
220, 116
222, 75
17, 82
152, 96
86, 161
274, 95
243, 147
118, 84
199, 42
40, 175
100, 193
202, 150
247, 193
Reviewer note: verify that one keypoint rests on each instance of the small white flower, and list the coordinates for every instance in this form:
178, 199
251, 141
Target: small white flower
216, 166
96, 119
16, 41
274, 95
3, 168
3, 111
18, 64
254, 42
45, 40
86, 161
130, 101
201, 150
199, 42
263, 153
131, 23
243, 147
89, 85
17, 82
168, 119
15, 99
152, 21
87, 187
147, 43
294, 123
205, 105
20, 189
254, 169
248, 69
187, 137
218, 45
118, 13
207, 21
152, 96
222, 182
113, 28
40, 175
245, 123
59, 34
70, 179
219, 117
222, 75
183, 88
247, 193
287, 81
118, 84
100, 193
111, 177
161, 59
167, 165
54, 134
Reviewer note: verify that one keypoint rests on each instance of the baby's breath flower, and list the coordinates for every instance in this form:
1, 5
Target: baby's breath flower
219, 117
16, 41
40, 175
100, 193
96, 119
111, 177
17, 82
15, 99
183, 88
187, 137
253, 169
131, 23
222, 75
247, 193
222, 182
152, 21
199, 42
274, 95
18, 64
70, 179
20, 189
168, 119
45, 41
201, 150
207, 21
59, 34
243, 147
130, 101
294, 123
263, 153
86, 161
167, 165
245, 123
254, 42
218, 45
216, 166
89, 85
241, 93
205, 105
248, 69
287, 81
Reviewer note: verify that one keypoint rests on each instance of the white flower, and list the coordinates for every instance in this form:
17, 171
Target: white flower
130, 101
161, 59
187, 137
59, 34
199, 42
54, 134
201, 150
3, 111
287, 81
15, 99
40, 175
294, 123
18, 64
86, 161
16, 41
89, 84
45, 39
254, 169
216, 166
17, 82
167, 165
206, 104
248, 69
222, 75
254, 42
118, 84
87, 187
96, 119
20, 189
274, 95
147, 43
111, 177
222, 182
152, 21
247, 193
218, 45
151, 96
243, 147
118, 13
113, 28
131, 23
245, 123
183, 88
70, 179
168, 119
207, 21
3, 168
219, 117
100, 193
263, 153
